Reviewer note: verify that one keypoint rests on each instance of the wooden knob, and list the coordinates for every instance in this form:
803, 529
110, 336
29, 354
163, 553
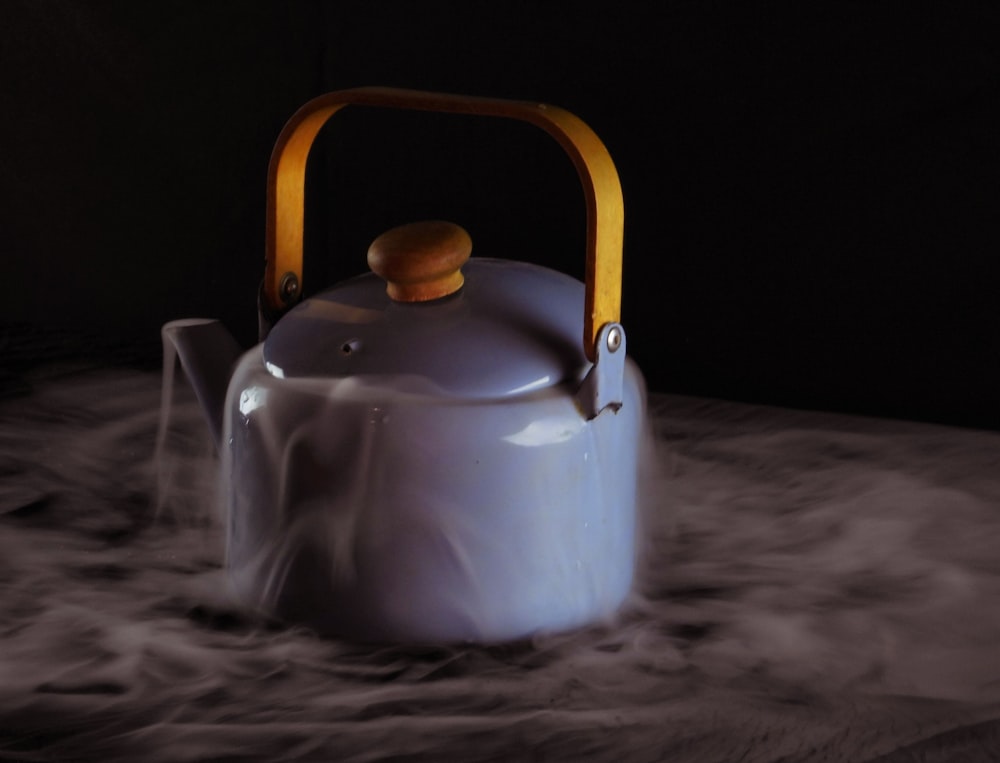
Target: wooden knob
421, 261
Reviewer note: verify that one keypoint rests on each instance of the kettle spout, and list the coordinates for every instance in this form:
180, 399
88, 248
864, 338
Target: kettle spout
208, 353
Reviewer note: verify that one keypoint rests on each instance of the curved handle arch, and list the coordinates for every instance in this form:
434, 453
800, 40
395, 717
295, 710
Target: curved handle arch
601, 188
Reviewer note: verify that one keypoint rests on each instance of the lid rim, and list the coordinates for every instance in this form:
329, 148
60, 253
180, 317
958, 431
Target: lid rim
513, 326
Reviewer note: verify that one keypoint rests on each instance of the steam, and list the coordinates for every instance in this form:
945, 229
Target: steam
810, 585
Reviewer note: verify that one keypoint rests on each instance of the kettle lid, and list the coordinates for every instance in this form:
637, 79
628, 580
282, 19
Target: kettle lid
470, 328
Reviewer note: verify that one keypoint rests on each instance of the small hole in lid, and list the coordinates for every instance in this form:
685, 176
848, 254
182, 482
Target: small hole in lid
350, 346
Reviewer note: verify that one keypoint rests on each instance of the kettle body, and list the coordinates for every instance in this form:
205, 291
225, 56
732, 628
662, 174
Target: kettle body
428, 453
386, 507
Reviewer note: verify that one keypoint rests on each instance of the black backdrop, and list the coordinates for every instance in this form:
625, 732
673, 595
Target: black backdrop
812, 189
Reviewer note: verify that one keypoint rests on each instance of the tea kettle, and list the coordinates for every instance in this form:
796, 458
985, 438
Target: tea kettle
445, 449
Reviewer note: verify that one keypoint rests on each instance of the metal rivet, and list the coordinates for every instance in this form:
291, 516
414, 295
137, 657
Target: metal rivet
614, 339
289, 287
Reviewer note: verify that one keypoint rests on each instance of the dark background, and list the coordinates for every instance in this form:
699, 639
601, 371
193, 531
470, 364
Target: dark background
812, 189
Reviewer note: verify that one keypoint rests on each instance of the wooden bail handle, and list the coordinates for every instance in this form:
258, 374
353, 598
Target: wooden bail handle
601, 188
